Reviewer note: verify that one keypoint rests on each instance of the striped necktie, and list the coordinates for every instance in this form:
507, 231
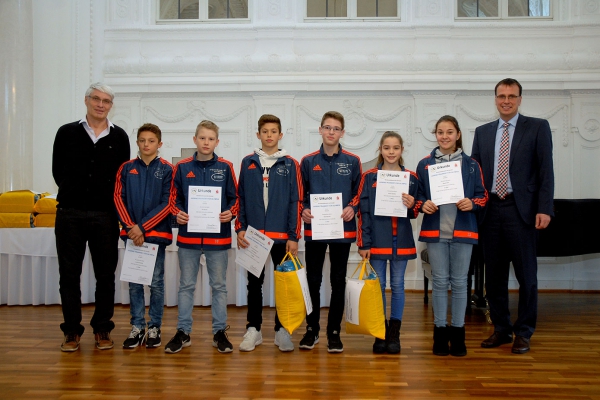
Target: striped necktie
502, 177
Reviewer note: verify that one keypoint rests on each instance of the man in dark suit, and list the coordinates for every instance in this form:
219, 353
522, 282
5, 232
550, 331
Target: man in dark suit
515, 154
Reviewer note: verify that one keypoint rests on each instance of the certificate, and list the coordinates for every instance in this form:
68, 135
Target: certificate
254, 256
138, 263
445, 183
204, 207
327, 210
388, 193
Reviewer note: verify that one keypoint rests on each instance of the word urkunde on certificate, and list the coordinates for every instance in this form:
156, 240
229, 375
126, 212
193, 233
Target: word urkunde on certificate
445, 183
138, 263
204, 207
254, 256
388, 193
327, 212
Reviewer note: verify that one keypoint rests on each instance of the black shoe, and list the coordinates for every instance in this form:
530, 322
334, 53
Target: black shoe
153, 337
457, 341
393, 336
136, 338
521, 345
497, 339
334, 344
379, 346
440, 341
221, 342
309, 340
178, 342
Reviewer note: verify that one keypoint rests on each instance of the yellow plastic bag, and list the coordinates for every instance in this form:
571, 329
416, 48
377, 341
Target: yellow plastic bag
19, 201
16, 220
289, 299
44, 220
371, 319
46, 205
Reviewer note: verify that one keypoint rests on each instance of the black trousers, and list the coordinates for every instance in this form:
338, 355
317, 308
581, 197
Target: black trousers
338, 257
505, 237
255, 293
100, 230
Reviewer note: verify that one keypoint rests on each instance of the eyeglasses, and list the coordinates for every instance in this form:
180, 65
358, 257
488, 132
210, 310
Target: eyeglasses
96, 99
328, 128
510, 97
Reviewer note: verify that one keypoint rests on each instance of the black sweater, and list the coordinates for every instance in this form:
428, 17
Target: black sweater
85, 171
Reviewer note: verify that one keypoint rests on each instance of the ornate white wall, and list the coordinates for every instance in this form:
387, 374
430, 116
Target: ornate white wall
381, 75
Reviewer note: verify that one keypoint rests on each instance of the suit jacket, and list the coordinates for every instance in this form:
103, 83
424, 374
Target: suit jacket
530, 165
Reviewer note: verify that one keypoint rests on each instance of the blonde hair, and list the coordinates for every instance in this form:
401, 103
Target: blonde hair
207, 125
390, 134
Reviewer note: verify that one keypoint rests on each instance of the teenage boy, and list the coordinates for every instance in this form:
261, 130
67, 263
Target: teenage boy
205, 168
143, 195
329, 170
269, 190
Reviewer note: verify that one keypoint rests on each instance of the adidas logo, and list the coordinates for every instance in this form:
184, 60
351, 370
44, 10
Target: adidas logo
374, 184
190, 175
134, 172
252, 166
317, 168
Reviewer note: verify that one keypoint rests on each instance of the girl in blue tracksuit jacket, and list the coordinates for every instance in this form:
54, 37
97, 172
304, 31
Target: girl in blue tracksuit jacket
382, 238
450, 231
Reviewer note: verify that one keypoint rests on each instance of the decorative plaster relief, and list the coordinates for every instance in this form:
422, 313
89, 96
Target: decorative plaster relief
591, 7
591, 130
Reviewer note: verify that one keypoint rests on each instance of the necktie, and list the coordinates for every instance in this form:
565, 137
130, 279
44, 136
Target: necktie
502, 177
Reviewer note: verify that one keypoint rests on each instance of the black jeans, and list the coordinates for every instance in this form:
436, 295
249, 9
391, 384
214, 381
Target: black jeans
100, 230
338, 258
255, 294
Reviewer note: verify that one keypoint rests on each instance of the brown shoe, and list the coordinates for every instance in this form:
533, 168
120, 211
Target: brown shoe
103, 340
497, 339
71, 343
521, 345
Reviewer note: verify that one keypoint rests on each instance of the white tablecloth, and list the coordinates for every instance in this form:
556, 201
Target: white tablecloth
29, 273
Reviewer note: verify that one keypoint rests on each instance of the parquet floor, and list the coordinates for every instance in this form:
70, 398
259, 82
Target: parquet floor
564, 362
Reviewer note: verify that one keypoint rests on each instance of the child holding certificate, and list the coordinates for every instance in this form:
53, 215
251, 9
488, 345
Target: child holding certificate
450, 231
383, 237
269, 190
143, 193
205, 198
329, 171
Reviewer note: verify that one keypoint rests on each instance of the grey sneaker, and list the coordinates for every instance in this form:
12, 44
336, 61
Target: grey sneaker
284, 340
252, 338
221, 342
178, 342
153, 337
309, 340
136, 338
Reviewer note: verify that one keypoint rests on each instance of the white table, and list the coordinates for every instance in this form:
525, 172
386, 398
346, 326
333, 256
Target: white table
29, 273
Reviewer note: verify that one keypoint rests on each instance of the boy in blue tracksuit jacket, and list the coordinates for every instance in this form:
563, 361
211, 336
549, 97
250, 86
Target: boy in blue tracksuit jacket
206, 169
143, 197
329, 170
270, 196
383, 238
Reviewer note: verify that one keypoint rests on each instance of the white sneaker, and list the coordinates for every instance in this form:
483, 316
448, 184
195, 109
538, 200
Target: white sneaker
252, 338
284, 340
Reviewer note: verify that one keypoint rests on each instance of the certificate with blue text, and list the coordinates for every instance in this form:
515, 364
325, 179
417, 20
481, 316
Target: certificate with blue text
327, 211
254, 256
388, 193
445, 183
204, 207
138, 263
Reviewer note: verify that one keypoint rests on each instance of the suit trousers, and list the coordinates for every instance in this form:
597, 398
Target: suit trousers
505, 237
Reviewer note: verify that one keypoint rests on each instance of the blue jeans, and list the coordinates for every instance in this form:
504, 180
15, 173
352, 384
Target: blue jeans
397, 270
449, 265
189, 265
137, 302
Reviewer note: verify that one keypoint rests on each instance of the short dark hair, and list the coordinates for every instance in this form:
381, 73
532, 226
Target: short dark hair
453, 121
150, 128
508, 82
268, 118
335, 115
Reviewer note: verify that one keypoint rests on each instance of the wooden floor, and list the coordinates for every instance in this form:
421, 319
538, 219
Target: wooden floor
564, 362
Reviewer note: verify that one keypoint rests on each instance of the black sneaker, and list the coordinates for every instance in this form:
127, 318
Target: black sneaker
136, 338
334, 344
153, 337
221, 342
309, 340
178, 342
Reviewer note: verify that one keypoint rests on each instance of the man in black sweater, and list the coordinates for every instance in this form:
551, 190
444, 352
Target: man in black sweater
85, 160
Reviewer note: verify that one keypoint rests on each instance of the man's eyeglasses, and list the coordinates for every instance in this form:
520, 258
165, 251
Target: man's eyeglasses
510, 97
96, 99
328, 128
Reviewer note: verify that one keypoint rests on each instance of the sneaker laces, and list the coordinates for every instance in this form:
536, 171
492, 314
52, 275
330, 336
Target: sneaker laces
153, 332
135, 332
103, 335
70, 337
222, 335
